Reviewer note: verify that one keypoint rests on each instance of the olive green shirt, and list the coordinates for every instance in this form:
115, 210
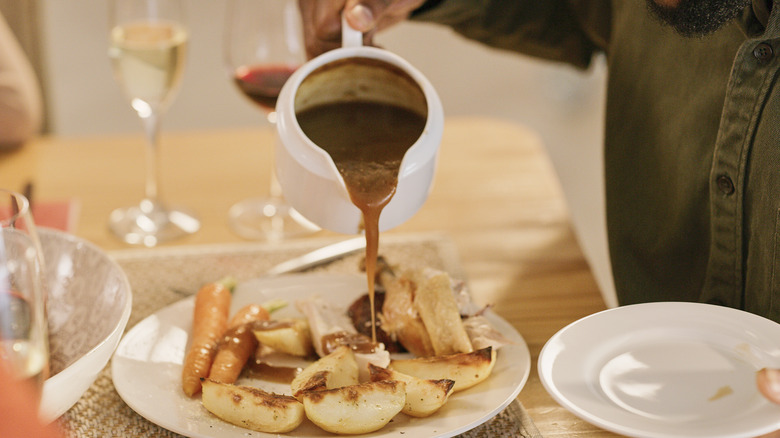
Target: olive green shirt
692, 140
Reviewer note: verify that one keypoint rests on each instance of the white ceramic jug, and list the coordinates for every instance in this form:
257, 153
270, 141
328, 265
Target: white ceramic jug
310, 181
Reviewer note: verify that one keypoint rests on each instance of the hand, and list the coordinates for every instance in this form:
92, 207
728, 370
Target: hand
322, 19
768, 381
19, 410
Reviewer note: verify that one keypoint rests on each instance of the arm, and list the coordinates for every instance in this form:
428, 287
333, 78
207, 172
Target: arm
570, 31
563, 30
21, 107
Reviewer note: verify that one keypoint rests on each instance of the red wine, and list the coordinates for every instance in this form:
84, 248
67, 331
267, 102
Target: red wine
262, 84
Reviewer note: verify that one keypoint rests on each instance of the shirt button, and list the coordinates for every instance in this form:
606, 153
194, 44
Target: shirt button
725, 185
763, 53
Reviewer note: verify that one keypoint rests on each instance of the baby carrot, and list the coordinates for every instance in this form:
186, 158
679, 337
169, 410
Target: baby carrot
255, 312
239, 342
209, 321
249, 313
235, 348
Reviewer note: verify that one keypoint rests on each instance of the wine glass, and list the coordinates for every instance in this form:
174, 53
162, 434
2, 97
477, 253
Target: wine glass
263, 47
148, 52
24, 344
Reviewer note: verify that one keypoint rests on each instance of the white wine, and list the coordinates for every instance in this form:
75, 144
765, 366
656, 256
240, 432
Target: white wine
148, 59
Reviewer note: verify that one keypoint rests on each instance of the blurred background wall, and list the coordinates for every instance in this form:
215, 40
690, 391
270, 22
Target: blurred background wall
67, 41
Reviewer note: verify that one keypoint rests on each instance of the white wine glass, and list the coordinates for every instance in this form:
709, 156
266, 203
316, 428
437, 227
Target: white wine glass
263, 47
24, 341
148, 52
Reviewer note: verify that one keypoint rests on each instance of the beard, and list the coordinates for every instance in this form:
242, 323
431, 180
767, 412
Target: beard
692, 18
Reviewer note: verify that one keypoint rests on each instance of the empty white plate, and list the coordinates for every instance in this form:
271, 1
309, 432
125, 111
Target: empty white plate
665, 370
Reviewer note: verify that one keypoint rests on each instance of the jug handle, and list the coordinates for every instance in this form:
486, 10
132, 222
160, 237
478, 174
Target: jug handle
349, 36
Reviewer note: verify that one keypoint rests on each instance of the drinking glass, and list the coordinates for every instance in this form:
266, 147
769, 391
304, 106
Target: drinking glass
24, 345
148, 53
263, 47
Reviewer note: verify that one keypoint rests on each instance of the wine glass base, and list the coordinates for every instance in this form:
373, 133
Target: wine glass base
151, 223
268, 219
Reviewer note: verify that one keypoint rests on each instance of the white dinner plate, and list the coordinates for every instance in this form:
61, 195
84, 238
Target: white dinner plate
665, 370
146, 368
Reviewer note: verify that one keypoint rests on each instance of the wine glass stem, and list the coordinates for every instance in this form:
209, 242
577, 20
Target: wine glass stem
276, 188
152, 127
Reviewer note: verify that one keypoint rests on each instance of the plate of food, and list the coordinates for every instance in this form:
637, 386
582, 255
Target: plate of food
667, 369
147, 367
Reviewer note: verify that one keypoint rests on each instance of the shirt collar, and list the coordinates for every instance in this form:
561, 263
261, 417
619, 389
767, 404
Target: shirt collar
755, 18
762, 8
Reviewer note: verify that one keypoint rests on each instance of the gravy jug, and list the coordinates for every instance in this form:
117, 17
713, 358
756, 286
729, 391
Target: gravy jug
309, 178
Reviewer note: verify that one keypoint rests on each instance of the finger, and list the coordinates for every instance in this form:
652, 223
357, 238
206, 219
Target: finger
327, 23
375, 15
327, 19
321, 25
768, 381
363, 15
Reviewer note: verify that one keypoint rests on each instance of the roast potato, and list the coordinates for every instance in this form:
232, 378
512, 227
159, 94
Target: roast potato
355, 409
466, 369
335, 370
423, 396
290, 336
252, 408
435, 303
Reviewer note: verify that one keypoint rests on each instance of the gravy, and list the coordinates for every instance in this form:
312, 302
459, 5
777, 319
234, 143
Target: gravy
367, 141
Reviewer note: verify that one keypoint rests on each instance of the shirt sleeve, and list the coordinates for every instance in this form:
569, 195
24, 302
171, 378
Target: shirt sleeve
21, 105
570, 31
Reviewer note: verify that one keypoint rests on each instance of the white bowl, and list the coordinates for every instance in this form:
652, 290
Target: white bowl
88, 308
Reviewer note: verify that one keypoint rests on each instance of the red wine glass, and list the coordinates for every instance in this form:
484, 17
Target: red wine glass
263, 47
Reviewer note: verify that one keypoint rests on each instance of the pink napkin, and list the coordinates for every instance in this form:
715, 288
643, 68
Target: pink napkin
61, 215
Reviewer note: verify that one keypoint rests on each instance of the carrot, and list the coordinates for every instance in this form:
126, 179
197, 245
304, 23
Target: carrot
233, 351
249, 313
209, 321
239, 342
256, 312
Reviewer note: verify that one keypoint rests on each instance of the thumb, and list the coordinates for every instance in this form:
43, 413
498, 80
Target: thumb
768, 381
363, 15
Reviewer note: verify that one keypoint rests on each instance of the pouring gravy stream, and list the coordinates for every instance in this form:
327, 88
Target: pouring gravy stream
367, 141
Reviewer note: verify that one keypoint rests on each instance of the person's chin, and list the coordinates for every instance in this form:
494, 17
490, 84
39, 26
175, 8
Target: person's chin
667, 3
693, 18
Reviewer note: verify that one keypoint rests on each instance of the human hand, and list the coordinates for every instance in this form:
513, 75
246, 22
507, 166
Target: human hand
322, 19
768, 381
19, 410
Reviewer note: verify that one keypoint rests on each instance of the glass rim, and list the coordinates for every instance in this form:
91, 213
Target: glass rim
22, 207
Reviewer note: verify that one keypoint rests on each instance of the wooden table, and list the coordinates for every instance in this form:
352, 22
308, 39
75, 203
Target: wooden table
495, 194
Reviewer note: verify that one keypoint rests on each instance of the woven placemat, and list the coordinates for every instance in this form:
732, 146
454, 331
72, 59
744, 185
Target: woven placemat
163, 276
